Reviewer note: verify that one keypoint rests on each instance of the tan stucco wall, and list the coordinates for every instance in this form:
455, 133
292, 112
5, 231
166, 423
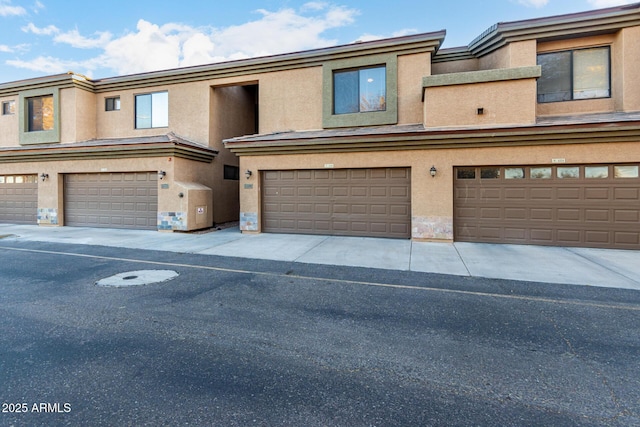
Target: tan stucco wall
9, 125
432, 198
497, 59
291, 100
461, 66
188, 113
411, 69
503, 102
626, 64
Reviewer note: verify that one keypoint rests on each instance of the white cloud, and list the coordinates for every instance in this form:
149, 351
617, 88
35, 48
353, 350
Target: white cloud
400, 33
38, 6
45, 64
155, 47
534, 3
74, 39
609, 3
5, 48
46, 31
6, 9
150, 48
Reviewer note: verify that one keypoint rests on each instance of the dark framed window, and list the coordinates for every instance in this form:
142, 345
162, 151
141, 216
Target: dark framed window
231, 172
575, 74
112, 104
360, 91
40, 113
8, 108
152, 110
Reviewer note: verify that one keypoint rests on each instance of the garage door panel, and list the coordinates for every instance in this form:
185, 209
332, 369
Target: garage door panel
584, 210
626, 194
359, 202
627, 238
542, 235
490, 232
118, 200
568, 214
569, 193
632, 216
515, 233
596, 215
569, 237
18, 199
596, 193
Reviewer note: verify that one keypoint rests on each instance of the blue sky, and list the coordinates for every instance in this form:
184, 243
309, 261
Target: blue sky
111, 38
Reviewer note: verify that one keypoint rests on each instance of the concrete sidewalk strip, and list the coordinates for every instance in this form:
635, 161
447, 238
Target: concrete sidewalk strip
537, 263
580, 266
276, 247
623, 262
440, 258
390, 254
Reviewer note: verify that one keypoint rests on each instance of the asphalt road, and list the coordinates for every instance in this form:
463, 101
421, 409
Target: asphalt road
236, 342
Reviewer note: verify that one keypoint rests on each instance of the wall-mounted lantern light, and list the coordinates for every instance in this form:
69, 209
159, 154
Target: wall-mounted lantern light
248, 173
161, 174
433, 171
44, 176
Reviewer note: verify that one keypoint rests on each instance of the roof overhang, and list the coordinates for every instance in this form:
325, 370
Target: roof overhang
582, 24
567, 130
154, 146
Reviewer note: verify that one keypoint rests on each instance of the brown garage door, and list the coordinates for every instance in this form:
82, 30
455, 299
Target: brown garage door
18, 199
349, 202
114, 200
567, 205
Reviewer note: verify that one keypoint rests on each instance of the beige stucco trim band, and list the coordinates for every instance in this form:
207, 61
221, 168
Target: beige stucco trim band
483, 76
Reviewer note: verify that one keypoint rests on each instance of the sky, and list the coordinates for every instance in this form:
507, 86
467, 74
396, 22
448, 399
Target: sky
114, 38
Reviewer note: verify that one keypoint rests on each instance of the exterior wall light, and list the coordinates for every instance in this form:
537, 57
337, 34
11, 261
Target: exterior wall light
433, 171
161, 174
44, 176
248, 173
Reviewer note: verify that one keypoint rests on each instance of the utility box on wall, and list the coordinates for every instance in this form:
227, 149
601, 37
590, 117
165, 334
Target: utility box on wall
193, 208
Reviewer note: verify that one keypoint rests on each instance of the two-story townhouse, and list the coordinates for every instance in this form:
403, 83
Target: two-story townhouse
530, 134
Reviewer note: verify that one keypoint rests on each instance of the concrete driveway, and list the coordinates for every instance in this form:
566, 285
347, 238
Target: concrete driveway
579, 266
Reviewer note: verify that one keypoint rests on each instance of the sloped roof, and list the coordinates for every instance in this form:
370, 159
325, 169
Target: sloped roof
145, 146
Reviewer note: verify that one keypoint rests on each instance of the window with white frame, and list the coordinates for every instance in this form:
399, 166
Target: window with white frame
152, 110
575, 74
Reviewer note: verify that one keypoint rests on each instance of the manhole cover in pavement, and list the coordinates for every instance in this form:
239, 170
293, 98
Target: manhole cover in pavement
137, 278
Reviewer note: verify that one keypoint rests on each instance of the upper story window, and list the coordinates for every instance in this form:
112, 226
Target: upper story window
40, 113
575, 74
112, 104
39, 116
152, 110
360, 91
8, 108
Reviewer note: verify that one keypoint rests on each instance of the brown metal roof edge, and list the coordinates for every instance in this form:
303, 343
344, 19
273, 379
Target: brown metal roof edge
607, 19
504, 136
148, 146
